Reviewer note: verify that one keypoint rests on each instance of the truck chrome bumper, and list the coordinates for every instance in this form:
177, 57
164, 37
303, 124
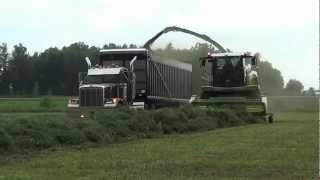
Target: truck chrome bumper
110, 105
137, 105
73, 105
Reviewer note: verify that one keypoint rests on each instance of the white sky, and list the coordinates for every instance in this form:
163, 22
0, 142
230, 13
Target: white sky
285, 32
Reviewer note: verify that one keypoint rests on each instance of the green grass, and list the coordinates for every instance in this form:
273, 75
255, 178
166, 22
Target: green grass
14, 105
287, 149
293, 103
59, 104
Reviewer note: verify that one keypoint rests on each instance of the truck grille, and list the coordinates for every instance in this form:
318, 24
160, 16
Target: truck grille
91, 96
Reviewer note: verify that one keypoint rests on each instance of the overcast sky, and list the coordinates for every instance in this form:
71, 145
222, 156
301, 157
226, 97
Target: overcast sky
285, 32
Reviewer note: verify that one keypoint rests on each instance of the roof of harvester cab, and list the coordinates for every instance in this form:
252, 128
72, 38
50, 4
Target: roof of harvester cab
230, 54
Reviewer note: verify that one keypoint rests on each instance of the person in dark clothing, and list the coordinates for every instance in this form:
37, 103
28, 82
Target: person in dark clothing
228, 72
238, 75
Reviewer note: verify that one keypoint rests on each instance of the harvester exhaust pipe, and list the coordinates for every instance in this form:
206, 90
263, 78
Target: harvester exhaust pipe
133, 79
131, 63
88, 62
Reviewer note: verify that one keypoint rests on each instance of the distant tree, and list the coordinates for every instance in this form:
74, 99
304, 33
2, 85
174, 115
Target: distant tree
35, 91
169, 47
293, 87
116, 46
55, 71
112, 46
21, 70
270, 78
132, 46
105, 46
310, 92
124, 46
73, 63
4, 55
49, 67
3, 58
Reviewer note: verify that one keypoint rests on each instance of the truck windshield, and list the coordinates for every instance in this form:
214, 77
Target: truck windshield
110, 78
228, 63
228, 71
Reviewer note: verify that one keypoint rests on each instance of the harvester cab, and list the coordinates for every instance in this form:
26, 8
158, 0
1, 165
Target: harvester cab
230, 69
232, 78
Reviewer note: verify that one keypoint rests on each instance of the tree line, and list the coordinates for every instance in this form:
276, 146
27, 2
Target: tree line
55, 70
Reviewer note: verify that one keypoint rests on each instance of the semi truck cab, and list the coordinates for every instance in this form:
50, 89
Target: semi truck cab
104, 87
134, 78
113, 84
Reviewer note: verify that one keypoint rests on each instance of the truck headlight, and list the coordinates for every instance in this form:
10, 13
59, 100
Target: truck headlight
193, 98
114, 100
73, 101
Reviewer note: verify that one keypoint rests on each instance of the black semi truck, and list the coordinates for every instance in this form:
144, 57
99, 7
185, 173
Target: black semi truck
134, 78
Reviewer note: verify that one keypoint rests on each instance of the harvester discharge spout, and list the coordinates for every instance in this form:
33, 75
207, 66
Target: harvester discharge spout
187, 31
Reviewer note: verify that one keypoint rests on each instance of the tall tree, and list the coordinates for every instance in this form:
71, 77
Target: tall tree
21, 70
49, 68
133, 46
271, 79
310, 92
124, 46
4, 85
3, 58
74, 63
293, 87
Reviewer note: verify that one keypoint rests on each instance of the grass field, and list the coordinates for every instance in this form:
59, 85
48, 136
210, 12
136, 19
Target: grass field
58, 104
293, 103
287, 149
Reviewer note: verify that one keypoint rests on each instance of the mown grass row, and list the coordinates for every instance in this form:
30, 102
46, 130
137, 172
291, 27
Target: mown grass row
40, 131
